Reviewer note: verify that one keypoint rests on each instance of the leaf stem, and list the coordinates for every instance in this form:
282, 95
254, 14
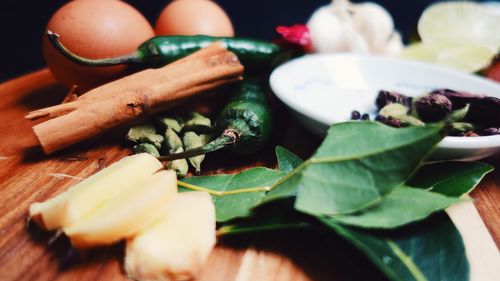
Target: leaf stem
222, 193
291, 174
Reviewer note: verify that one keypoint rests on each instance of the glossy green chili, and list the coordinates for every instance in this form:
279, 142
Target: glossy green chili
255, 55
244, 124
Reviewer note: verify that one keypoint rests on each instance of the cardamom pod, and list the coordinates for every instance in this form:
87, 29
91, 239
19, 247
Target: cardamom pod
145, 133
136, 133
171, 141
192, 140
180, 166
197, 119
146, 148
168, 122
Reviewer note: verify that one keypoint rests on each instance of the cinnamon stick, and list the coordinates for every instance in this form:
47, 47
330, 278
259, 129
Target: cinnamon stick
132, 97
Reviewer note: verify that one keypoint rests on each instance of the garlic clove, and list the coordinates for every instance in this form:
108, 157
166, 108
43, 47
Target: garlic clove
374, 24
392, 48
327, 31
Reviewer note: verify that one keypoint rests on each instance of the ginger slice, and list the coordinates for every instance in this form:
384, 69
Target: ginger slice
127, 214
176, 247
78, 201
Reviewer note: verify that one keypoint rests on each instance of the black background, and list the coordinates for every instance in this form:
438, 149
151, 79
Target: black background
23, 22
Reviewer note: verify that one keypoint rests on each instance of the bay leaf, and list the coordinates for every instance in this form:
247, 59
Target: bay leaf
237, 205
452, 178
287, 161
359, 162
428, 250
401, 206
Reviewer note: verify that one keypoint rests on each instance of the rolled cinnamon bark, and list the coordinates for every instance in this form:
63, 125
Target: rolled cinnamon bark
129, 98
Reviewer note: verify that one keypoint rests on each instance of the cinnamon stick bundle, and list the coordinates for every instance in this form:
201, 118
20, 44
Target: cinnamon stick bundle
131, 97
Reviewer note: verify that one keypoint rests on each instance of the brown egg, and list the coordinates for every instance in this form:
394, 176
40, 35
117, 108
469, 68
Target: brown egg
192, 17
94, 29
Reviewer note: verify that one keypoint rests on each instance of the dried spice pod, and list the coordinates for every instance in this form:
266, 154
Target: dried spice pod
484, 112
167, 122
180, 166
196, 119
145, 133
387, 97
147, 148
172, 142
458, 99
433, 108
191, 140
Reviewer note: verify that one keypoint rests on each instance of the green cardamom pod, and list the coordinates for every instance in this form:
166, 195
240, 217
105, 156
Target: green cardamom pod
145, 133
196, 119
393, 109
400, 112
146, 148
168, 122
206, 138
180, 166
192, 140
462, 127
138, 132
171, 141
458, 115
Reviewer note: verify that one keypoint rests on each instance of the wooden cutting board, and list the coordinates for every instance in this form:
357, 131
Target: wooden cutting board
27, 175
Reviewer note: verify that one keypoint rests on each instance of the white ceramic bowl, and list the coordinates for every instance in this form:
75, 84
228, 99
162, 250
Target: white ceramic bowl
323, 89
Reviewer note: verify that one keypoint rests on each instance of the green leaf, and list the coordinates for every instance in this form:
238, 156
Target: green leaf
401, 206
358, 163
279, 215
429, 250
287, 161
237, 205
452, 178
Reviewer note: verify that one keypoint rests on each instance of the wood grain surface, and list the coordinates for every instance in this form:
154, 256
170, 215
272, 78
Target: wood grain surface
27, 175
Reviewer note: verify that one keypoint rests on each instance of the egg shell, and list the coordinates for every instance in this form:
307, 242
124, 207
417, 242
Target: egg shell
192, 17
94, 29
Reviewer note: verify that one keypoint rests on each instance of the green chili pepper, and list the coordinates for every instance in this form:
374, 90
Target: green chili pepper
255, 55
244, 124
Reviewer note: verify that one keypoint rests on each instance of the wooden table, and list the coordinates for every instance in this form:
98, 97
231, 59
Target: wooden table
27, 175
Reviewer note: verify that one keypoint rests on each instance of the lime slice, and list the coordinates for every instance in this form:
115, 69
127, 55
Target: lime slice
469, 58
420, 52
466, 58
450, 24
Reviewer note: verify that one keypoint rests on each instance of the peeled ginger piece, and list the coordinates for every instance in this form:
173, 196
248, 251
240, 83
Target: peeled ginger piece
78, 201
127, 214
176, 247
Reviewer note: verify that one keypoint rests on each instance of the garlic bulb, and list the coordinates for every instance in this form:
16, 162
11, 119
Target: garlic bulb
361, 28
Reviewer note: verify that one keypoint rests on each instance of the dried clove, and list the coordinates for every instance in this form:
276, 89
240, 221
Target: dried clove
433, 108
387, 97
458, 99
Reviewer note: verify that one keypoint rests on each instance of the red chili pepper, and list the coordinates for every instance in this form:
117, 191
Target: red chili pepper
296, 34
